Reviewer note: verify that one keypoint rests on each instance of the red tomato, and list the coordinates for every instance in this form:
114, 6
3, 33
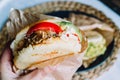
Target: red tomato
45, 26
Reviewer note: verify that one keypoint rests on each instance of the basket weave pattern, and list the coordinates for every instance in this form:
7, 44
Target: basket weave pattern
75, 6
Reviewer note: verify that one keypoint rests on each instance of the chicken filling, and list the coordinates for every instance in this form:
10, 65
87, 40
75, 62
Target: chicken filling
36, 38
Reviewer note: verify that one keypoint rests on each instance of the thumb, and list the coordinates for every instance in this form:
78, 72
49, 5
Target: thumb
6, 65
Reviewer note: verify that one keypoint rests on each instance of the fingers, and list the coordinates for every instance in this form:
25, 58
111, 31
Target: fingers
5, 65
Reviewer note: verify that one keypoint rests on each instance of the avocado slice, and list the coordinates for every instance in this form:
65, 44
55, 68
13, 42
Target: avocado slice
66, 24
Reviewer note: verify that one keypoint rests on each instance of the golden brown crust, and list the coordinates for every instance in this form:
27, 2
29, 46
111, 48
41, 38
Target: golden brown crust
51, 62
84, 43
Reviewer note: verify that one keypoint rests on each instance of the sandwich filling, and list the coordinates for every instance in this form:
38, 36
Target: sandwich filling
96, 44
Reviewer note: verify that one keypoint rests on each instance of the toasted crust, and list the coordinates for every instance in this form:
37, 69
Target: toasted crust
84, 42
51, 62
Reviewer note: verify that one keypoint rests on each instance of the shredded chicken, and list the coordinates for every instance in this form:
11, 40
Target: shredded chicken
36, 38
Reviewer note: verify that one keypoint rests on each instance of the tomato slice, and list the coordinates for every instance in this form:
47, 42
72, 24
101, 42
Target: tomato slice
45, 26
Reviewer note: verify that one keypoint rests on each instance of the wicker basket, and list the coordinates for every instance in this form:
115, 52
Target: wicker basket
75, 6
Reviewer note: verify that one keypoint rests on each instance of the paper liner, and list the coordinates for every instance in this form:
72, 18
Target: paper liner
98, 70
87, 23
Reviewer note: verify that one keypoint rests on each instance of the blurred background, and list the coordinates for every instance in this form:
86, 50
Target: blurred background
111, 8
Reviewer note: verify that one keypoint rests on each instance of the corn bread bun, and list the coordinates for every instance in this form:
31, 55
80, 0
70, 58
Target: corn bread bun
40, 47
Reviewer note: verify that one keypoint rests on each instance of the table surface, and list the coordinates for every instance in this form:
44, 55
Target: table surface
6, 5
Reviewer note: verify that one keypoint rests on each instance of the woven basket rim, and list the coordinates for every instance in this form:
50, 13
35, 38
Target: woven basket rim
71, 5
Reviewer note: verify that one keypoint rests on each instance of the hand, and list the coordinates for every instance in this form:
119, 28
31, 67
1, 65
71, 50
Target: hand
62, 71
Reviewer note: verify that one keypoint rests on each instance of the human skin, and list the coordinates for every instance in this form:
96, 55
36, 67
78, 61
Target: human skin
62, 71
